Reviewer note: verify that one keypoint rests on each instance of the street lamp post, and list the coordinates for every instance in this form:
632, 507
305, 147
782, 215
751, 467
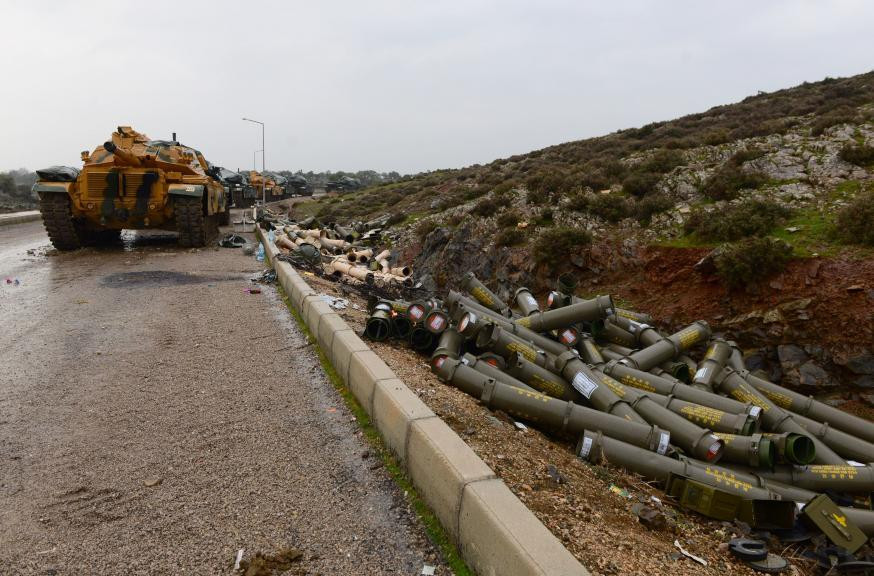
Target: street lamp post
263, 163
254, 156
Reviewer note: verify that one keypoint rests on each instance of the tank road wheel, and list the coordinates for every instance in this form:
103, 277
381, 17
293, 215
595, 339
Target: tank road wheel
57, 218
190, 222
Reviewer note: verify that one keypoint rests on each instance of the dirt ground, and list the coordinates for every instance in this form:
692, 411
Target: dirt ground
589, 508
155, 418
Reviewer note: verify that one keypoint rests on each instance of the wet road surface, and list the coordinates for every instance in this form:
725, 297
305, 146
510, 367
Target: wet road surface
155, 418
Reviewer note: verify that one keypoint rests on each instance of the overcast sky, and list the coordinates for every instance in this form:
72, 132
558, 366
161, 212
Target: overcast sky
395, 85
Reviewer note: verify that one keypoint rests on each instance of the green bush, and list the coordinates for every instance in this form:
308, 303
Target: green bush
746, 155
610, 207
663, 161
730, 179
648, 206
509, 237
508, 219
489, 206
854, 223
751, 260
750, 218
640, 183
843, 115
553, 245
545, 218
504, 187
424, 228
861, 155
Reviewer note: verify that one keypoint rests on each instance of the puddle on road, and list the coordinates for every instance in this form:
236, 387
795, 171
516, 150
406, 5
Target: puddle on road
161, 278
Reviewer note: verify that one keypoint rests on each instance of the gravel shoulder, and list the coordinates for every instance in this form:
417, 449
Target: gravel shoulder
155, 418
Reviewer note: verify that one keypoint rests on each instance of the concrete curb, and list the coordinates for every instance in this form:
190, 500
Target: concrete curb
494, 531
19, 217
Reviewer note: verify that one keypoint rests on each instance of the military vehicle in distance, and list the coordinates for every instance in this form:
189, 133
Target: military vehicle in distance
134, 183
266, 183
343, 184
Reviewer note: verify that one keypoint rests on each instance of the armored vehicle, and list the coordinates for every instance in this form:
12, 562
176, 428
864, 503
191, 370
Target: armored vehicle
266, 183
132, 182
343, 184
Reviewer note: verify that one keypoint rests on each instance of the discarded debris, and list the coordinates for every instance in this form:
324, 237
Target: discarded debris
428, 570
339, 252
267, 276
689, 555
237, 559
232, 241
152, 482
334, 302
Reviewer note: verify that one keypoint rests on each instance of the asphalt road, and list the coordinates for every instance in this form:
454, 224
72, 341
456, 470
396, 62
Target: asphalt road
155, 418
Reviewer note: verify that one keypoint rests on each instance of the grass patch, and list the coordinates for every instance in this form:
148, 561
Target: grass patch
813, 235
432, 526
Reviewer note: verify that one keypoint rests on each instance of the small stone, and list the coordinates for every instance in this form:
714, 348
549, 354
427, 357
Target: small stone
649, 517
812, 375
791, 355
152, 482
862, 363
855, 288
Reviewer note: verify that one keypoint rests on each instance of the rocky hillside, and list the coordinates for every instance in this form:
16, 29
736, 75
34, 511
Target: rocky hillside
756, 216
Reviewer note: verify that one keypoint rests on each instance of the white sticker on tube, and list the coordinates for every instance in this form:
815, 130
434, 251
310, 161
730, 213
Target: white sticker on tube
755, 411
584, 385
586, 448
531, 301
700, 373
664, 441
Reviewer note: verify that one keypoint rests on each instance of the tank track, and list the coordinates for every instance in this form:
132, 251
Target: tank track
195, 229
189, 222
57, 218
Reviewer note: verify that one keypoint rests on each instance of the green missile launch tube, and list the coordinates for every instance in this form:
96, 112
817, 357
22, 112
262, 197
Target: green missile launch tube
593, 446
589, 351
483, 295
541, 379
694, 439
586, 311
449, 344
652, 383
526, 302
713, 363
792, 448
813, 409
378, 326
616, 335
844, 444
821, 477
548, 413
669, 347
503, 342
491, 371
461, 307
774, 418
587, 383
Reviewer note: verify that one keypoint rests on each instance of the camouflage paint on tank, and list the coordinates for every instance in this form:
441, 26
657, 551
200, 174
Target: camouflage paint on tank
130, 181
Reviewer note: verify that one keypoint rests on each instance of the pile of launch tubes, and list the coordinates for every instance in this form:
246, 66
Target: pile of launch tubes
335, 247
721, 440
